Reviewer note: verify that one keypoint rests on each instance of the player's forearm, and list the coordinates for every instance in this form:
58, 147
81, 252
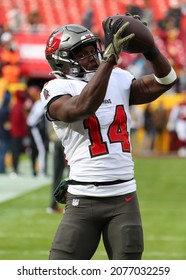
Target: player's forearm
150, 87
162, 69
94, 92
79, 107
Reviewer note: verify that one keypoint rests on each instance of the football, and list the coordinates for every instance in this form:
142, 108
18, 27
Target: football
143, 40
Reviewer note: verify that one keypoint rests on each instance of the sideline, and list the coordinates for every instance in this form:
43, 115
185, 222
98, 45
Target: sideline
14, 186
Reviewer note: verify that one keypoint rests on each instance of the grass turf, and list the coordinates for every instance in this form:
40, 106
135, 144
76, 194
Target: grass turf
27, 230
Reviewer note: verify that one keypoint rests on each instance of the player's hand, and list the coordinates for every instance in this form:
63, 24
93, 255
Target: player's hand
115, 43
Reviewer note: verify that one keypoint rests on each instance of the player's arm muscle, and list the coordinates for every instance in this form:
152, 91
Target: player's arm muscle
147, 89
69, 109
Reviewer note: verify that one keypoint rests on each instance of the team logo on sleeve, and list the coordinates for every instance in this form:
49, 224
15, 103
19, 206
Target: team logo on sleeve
46, 93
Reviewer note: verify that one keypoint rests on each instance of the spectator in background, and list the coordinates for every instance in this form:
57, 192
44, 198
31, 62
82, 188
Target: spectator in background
34, 23
147, 12
1, 32
18, 128
149, 130
183, 22
5, 137
177, 123
60, 169
171, 32
175, 13
176, 53
88, 17
15, 19
160, 123
9, 59
160, 118
38, 132
134, 9
136, 123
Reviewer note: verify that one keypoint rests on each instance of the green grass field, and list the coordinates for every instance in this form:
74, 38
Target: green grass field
26, 230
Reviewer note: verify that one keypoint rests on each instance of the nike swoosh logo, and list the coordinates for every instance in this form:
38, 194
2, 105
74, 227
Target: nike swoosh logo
127, 199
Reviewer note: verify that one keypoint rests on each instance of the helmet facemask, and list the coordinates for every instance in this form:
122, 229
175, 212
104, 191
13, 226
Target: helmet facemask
78, 69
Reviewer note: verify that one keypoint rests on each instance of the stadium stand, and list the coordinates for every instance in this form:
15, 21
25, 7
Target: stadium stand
60, 12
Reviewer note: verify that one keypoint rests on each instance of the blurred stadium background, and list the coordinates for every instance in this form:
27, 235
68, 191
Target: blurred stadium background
26, 229
31, 21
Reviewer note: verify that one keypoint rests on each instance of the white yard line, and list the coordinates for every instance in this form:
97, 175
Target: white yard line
11, 188
14, 186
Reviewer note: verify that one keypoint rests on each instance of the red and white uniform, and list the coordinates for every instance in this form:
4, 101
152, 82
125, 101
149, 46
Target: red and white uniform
98, 148
178, 119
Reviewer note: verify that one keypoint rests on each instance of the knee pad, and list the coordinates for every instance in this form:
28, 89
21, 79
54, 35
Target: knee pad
133, 239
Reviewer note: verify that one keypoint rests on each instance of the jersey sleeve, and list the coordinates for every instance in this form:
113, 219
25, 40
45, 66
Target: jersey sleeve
54, 88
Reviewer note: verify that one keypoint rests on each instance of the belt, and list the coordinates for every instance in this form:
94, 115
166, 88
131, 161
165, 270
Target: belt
74, 182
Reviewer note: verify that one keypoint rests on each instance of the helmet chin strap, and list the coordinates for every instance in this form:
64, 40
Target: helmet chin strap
57, 74
85, 75
88, 76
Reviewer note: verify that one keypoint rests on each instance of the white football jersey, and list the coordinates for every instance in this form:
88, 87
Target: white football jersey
98, 148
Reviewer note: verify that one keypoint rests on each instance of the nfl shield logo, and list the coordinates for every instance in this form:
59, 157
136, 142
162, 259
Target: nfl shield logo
75, 202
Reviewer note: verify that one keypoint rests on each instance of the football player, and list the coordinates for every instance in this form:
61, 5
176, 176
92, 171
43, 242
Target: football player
88, 103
